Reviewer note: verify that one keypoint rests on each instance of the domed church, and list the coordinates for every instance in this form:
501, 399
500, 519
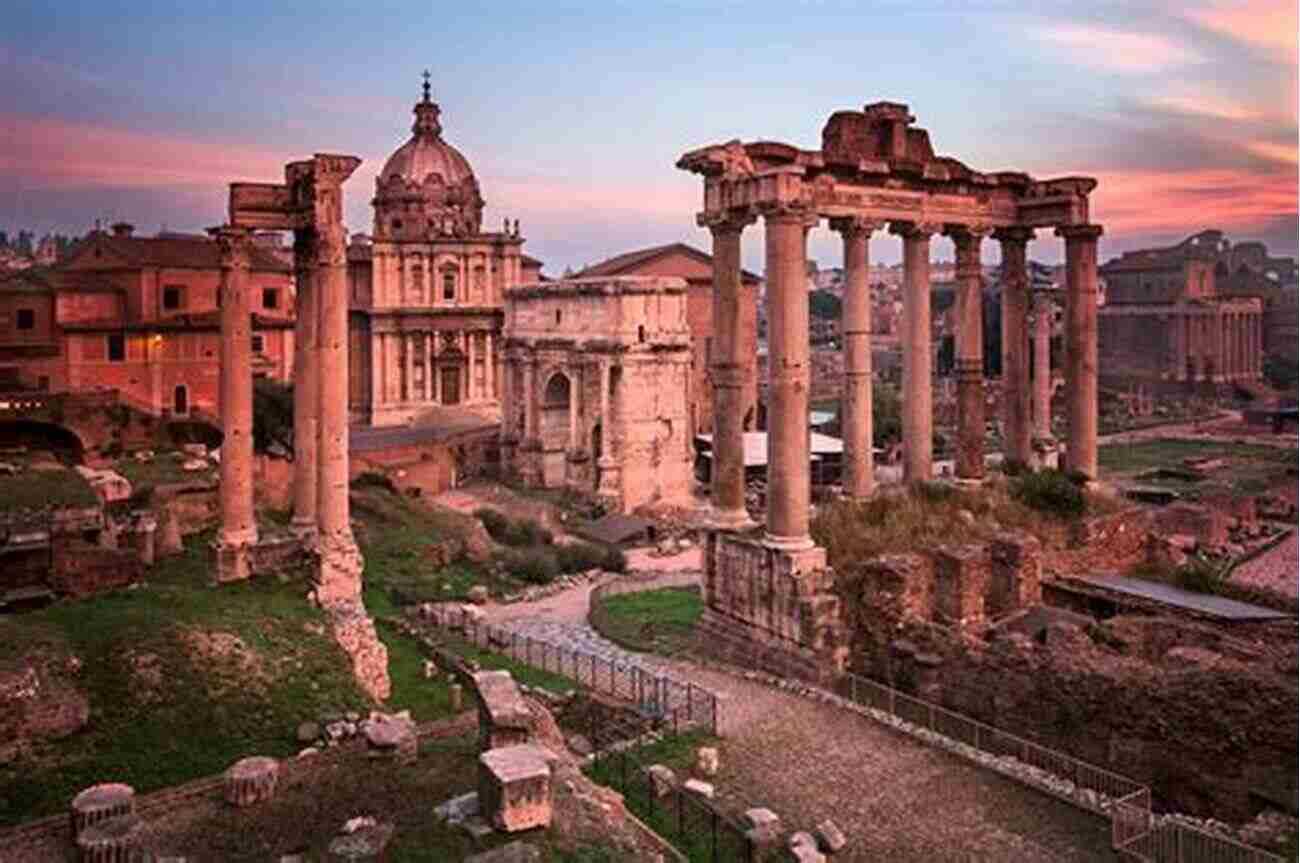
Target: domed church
427, 285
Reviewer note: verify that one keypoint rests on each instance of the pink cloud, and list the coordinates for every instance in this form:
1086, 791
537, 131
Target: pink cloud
1135, 202
46, 153
1117, 50
1269, 25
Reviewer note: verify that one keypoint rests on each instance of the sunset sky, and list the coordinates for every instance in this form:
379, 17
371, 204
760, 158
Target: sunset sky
574, 114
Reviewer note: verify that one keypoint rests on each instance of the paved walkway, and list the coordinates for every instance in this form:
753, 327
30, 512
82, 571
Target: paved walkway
1275, 569
895, 798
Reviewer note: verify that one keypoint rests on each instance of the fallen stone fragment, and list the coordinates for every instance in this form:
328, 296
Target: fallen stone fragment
829, 837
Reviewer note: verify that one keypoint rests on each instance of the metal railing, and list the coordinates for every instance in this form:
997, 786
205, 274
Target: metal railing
682, 703
1136, 834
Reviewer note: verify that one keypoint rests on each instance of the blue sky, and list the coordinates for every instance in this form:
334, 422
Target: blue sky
573, 114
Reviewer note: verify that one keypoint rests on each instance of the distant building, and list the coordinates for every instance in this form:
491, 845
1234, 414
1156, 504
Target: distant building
139, 315
696, 269
1178, 315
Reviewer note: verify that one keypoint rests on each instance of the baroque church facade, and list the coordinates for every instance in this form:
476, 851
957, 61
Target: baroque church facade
427, 287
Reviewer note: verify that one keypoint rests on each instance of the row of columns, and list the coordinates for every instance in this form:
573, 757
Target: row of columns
391, 383
320, 483
788, 490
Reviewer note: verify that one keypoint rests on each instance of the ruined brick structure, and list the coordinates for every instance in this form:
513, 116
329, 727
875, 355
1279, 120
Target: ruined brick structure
596, 378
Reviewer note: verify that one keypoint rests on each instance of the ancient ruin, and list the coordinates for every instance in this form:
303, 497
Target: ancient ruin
310, 203
873, 170
597, 374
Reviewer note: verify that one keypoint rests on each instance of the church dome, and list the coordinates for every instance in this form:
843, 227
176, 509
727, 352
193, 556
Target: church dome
427, 189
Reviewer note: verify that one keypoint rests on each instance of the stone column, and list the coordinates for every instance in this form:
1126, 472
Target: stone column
859, 479
339, 575
1042, 367
1016, 431
1180, 344
489, 368
238, 522
970, 352
529, 371
1081, 345
306, 378
918, 442
469, 366
574, 391
788, 480
727, 475
408, 348
606, 458
428, 366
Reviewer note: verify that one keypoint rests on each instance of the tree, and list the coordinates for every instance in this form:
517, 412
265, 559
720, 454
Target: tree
825, 305
272, 415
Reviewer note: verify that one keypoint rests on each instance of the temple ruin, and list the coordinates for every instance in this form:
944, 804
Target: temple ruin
309, 203
874, 170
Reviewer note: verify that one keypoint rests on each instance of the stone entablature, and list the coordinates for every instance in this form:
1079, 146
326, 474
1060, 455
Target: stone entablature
594, 388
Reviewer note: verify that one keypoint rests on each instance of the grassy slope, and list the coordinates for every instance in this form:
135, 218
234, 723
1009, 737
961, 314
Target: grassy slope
653, 621
1251, 469
39, 489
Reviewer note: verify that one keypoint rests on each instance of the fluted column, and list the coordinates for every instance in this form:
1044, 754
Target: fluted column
727, 474
1016, 432
306, 378
1081, 345
490, 368
238, 522
970, 351
1042, 367
918, 441
339, 575
788, 481
859, 479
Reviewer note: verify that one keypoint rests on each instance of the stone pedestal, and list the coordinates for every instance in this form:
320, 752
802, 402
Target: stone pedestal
514, 788
503, 716
961, 578
251, 780
99, 803
113, 840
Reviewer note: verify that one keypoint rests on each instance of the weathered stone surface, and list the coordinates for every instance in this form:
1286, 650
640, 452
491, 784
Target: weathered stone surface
515, 788
478, 594
504, 717
251, 780
662, 779
511, 852
355, 632
706, 760
801, 847
391, 735
366, 842
308, 732
111, 840
695, 786
101, 802
830, 838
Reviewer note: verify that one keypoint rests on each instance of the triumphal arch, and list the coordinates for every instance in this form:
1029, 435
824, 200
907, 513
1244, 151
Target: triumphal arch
874, 171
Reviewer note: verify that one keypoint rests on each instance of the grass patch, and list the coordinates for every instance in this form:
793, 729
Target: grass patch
652, 621
163, 469
45, 489
1248, 468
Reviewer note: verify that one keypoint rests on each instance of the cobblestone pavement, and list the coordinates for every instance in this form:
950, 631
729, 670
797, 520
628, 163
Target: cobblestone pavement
895, 798
1275, 569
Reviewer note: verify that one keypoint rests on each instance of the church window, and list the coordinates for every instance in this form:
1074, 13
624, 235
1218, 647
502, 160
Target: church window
26, 319
449, 286
173, 297
259, 343
559, 316
640, 333
116, 347
270, 298
397, 224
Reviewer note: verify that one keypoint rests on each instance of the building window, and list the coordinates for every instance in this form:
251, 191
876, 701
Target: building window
116, 347
270, 298
172, 297
259, 342
449, 286
559, 316
26, 319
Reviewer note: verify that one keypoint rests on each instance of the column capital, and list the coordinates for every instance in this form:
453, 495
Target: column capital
1079, 232
725, 223
233, 245
789, 211
967, 234
1014, 234
913, 230
851, 226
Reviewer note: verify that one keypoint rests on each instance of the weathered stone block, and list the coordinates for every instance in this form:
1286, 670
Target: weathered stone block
695, 786
251, 780
706, 760
504, 718
112, 840
100, 803
1015, 577
801, 847
662, 779
515, 788
830, 838
961, 577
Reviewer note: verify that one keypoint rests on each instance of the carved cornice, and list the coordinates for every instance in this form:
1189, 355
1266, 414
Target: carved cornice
731, 222
914, 230
233, 245
1014, 234
1079, 232
788, 211
851, 226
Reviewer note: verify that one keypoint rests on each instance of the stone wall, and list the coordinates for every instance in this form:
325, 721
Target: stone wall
1206, 719
1207, 524
81, 569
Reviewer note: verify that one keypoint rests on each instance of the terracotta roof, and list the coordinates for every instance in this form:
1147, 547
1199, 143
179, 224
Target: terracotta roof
621, 264
41, 280
188, 251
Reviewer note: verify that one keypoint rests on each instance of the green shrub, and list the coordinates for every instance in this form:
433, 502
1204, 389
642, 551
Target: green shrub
615, 560
1015, 467
934, 492
1199, 576
536, 565
496, 524
1050, 491
579, 557
373, 479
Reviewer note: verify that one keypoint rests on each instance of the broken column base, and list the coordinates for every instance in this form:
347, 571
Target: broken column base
354, 631
771, 609
232, 560
338, 568
1046, 453
514, 787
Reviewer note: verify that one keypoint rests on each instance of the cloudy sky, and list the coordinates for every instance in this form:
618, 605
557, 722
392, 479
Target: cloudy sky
573, 114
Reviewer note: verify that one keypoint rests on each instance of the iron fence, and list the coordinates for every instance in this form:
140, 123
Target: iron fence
693, 823
1136, 834
656, 695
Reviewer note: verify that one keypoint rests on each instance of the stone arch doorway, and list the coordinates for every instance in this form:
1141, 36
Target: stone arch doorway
34, 435
556, 403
